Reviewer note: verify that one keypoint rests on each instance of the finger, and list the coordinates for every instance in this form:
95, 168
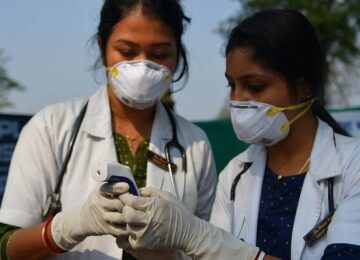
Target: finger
136, 202
149, 192
116, 225
115, 219
135, 218
112, 204
117, 232
156, 193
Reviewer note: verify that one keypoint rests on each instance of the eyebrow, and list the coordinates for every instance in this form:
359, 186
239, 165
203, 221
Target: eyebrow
158, 44
248, 76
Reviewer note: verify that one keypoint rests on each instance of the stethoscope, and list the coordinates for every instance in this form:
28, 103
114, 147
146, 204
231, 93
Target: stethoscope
174, 143
316, 232
53, 203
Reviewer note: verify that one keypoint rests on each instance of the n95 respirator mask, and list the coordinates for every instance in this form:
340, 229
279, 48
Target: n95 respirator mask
139, 84
261, 123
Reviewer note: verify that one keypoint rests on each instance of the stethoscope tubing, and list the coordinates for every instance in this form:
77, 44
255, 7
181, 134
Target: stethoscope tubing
174, 143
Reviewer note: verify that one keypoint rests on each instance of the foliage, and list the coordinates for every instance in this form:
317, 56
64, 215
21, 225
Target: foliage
337, 23
7, 84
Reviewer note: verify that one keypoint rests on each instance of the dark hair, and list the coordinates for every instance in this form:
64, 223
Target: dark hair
285, 41
168, 11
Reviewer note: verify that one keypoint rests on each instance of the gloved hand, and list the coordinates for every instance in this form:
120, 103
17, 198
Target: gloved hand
101, 214
159, 221
146, 254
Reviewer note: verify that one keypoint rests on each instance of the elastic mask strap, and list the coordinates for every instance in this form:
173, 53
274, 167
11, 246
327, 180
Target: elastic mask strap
168, 77
275, 110
113, 71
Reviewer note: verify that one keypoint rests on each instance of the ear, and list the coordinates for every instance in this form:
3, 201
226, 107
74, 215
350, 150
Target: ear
303, 90
102, 51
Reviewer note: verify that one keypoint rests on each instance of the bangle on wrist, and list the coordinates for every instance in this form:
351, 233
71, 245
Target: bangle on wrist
9, 236
52, 248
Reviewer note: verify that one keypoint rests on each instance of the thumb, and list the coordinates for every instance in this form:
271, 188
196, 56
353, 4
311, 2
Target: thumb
120, 187
115, 188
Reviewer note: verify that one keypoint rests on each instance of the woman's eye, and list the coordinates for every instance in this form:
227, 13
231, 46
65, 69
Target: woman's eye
127, 53
256, 87
160, 55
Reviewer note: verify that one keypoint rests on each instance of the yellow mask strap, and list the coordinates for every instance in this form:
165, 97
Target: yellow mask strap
274, 110
168, 77
113, 71
285, 126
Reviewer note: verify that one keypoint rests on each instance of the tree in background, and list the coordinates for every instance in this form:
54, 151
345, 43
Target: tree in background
337, 23
6, 84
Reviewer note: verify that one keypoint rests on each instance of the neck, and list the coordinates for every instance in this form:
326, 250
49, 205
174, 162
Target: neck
289, 155
129, 121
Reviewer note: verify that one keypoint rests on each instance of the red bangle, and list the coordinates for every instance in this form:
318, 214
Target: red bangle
48, 245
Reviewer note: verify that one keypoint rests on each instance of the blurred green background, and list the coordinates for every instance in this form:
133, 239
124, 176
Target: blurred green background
224, 142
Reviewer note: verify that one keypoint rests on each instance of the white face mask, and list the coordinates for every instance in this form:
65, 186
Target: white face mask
260, 123
139, 84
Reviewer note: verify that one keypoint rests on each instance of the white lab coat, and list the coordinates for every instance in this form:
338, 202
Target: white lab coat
327, 160
43, 144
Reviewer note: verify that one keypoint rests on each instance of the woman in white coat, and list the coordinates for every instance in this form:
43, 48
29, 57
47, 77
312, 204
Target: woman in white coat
302, 168
295, 192
141, 48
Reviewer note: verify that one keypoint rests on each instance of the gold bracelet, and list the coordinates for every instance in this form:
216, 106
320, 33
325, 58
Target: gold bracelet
10, 235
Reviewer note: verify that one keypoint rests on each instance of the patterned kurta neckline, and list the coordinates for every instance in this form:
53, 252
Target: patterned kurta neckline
137, 162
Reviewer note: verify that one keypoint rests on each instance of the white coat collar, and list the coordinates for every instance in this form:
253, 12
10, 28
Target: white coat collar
324, 162
161, 128
250, 188
98, 115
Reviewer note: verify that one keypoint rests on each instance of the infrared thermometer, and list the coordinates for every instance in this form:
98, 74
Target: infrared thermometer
107, 171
